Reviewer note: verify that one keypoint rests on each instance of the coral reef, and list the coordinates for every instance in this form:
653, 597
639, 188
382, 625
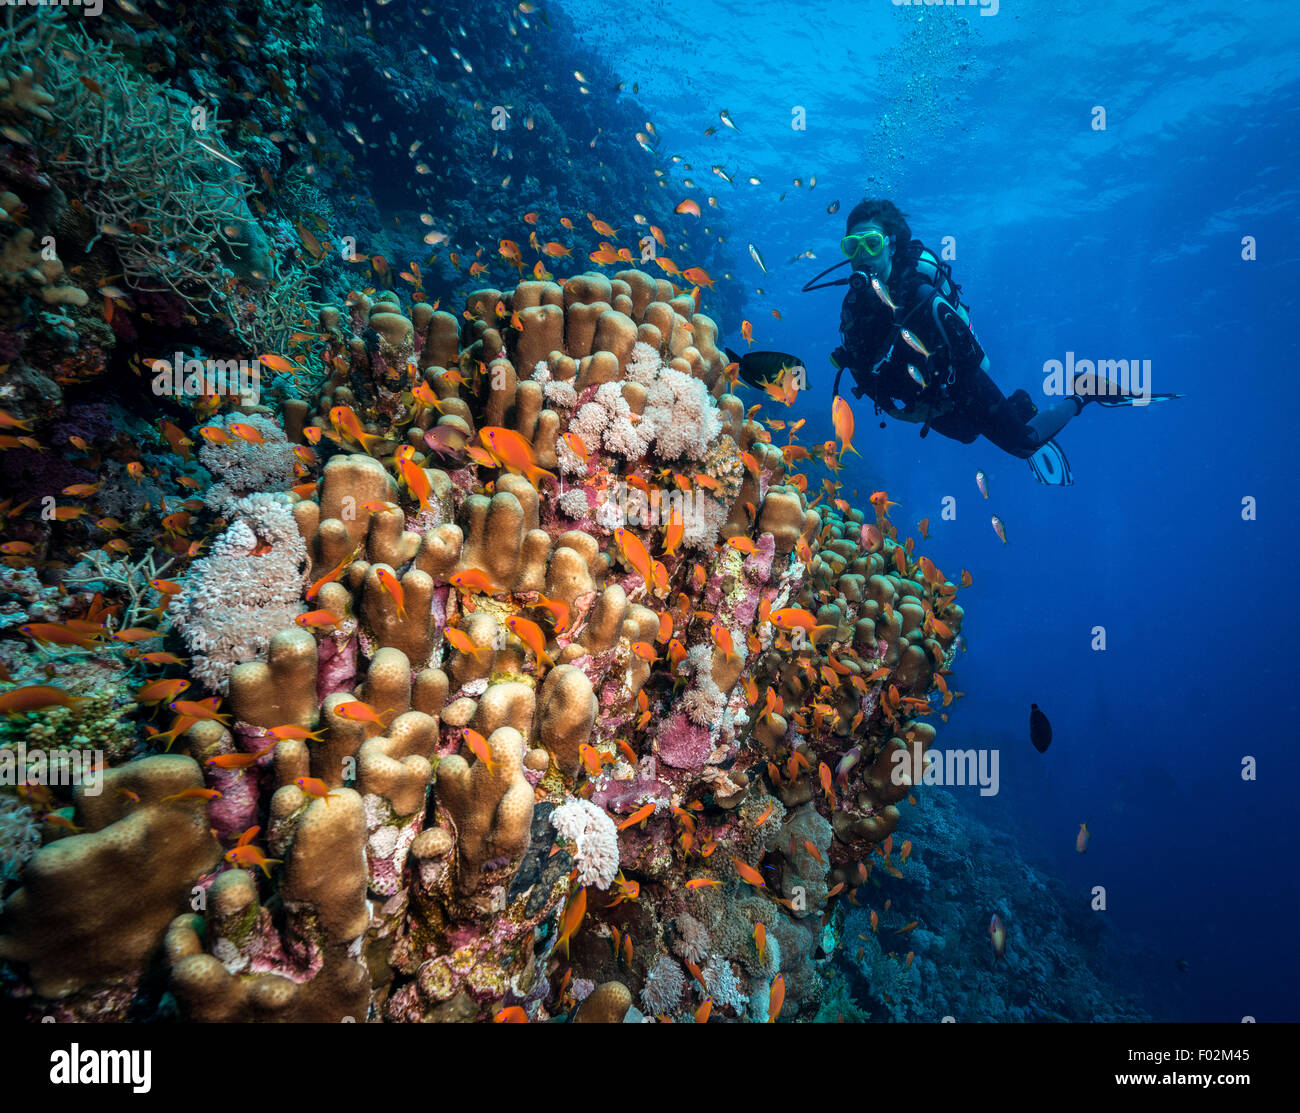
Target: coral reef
500, 698
1057, 964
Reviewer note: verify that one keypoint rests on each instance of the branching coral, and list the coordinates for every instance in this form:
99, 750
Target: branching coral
164, 189
130, 580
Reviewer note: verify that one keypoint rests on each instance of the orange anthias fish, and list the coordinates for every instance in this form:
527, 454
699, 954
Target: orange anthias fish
703, 883
576, 445
748, 873
479, 747
246, 432
159, 690
636, 555
192, 794
775, 998
641, 815
699, 276
760, 941
332, 575
559, 611
18, 701
880, 500
673, 533
722, 639
312, 620
290, 732
627, 890
592, 760
574, 912
390, 584
842, 419
314, 787
461, 642
243, 853
531, 635
824, 776
345, 421
162, 659
239, 761
200, 710
57, 633
417, 482
473, 581
515, 452
358, 712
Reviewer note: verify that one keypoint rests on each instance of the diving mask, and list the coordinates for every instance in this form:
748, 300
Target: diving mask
870, 244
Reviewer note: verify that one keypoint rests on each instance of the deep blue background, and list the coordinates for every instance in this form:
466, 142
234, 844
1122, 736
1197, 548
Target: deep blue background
1123, 243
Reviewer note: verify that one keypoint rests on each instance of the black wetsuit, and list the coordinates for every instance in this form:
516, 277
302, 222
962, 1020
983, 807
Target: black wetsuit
959, 398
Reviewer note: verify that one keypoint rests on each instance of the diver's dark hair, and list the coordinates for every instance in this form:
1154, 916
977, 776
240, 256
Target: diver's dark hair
887, 215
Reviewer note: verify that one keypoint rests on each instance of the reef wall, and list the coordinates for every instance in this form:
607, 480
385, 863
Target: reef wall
585, 706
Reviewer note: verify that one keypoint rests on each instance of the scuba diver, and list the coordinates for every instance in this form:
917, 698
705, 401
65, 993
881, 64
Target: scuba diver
908, 342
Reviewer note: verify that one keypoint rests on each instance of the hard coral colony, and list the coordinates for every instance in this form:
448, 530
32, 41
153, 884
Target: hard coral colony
520, 671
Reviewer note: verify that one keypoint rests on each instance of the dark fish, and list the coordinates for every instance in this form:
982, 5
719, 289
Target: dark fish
1183, 965
1040, 730
833, 208
758, 368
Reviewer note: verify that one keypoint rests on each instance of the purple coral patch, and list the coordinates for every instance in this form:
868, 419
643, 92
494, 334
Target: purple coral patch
682, 744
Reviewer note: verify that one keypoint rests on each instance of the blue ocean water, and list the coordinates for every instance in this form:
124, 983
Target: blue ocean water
1123, 243
1107, 183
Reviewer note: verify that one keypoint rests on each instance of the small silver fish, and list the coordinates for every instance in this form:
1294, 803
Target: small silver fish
753, 254
913, 343
982, 482
883, 294
916, 376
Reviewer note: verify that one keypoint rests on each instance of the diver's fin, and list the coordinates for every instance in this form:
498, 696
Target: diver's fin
1050, 465
1135, 399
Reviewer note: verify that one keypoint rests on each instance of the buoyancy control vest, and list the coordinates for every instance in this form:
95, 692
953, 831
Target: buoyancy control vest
908, 359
